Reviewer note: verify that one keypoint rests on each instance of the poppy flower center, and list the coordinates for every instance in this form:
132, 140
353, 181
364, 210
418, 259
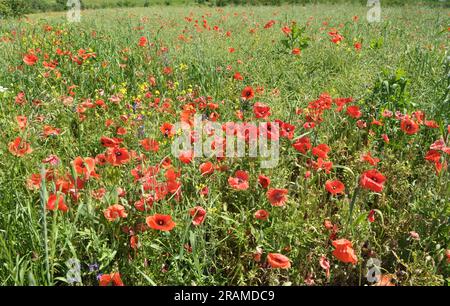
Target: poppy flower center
278, 196
160, 222
118, 153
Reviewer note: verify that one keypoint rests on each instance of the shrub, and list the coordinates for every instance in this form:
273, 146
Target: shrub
13, 8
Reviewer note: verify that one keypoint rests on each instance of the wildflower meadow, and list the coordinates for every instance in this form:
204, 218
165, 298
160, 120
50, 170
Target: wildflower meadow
195, 144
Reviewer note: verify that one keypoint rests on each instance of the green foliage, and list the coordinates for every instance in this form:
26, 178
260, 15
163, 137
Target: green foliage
390, 91
296, 38
14, 8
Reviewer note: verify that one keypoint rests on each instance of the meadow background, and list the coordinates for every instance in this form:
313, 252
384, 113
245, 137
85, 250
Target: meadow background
402, 65
30, 6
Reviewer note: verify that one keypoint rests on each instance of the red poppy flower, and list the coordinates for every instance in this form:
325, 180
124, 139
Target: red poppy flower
160, 222
199, 214
51, 131
414, 235
99, 193
204, 191
328, 224
321, 164
247, 93
373, 180
269, 130
376, 122
286, 129
144, 203
261, 110
321, 151
303, 144
117, 156
307, 174
143, 41
336, 37
286, 30
100, 159
30, 59
239, 181
353, 111
20, 98
121, 192
409, 126
114, 212
361, 124
438, 144
56, 202
21, 122
431, 124
150, 144
277, 197
19, 148
335, 187
325, 264
262, 214
276, 260
344, 251
110, 142
112, 279
167, 129
341, 102
52, 160
296, 51
371, 216
257, 254
385, 280
263, 181
269, 24
433, 156
85, 167
371, 160
166, 163
419, 116
167, 70
237, 76
134, 242
206, 168
186, 157
121, 131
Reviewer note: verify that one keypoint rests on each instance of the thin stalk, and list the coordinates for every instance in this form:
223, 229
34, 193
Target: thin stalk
44, 198
352, 205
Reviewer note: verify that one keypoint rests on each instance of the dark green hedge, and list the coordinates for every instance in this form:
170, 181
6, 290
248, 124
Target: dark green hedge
17, 8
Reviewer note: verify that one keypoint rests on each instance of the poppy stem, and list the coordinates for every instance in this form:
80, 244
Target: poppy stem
44, 199
352, 205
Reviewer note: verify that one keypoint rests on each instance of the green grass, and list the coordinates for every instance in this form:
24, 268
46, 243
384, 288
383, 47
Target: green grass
409, 45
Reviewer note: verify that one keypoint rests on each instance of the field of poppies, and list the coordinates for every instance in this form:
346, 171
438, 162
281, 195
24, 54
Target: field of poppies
92, 192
